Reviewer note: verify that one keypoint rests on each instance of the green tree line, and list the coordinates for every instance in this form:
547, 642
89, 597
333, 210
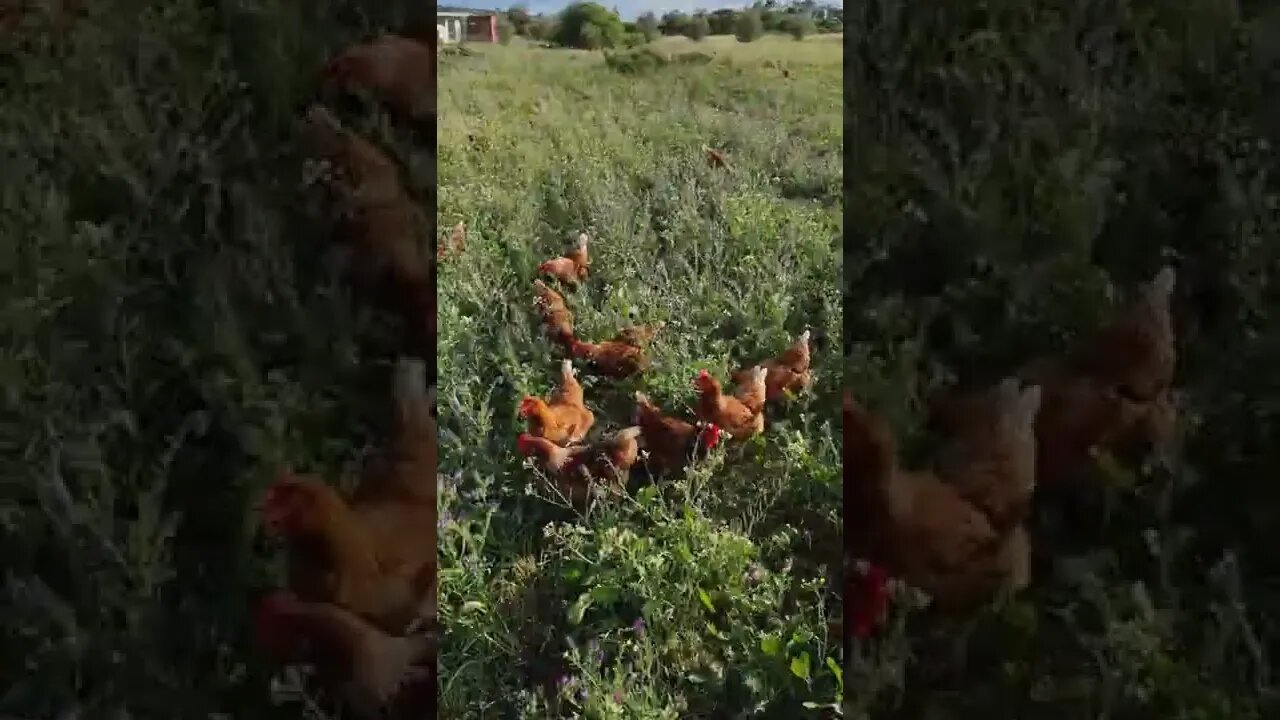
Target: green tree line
593, 26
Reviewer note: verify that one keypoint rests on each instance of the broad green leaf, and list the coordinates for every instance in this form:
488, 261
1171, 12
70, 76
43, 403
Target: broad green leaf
771, 645
578, 609
800, 666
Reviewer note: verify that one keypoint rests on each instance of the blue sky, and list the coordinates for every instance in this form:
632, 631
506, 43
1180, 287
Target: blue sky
630, 9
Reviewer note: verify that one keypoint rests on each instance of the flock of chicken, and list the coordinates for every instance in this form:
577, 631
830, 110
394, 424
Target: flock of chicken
559, 424
360, 605
958, 530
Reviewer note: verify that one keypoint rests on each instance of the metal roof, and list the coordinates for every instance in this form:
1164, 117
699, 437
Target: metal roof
454, 11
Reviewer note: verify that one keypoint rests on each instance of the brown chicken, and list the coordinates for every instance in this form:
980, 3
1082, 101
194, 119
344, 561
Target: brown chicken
570, 390
374, 554
788, 372
716, 159
921, 527
570, 269
379, 675
454, 244
369, 175
1136, 354
1153, 430
616, 358
555, 313
1111, 395
565, 419
385, 227
752, 391
576, 470
671, 442
985, 456
611, 458
639, 335
733, 417
401, 72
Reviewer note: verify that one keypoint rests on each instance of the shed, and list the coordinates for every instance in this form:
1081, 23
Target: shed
454, 24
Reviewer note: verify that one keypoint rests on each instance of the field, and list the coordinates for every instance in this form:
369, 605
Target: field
704, 595
1015, 171
175, 331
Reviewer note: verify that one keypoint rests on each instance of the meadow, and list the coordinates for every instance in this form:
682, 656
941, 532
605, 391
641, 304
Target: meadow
1016, 169
176, 329
702, 595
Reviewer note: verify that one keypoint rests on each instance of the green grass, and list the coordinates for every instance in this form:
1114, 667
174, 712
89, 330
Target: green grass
174, 330
1016, 168
728, 566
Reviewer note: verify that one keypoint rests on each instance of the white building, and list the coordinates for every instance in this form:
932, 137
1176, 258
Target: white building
451, 27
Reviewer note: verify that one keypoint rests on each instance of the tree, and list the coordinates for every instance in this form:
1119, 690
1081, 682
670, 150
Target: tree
647, 25
722, 21
589, 26
749, 26
698, 28
540, 28
506, 29
798, 25
520, 19
674, 23
591, 37
771, 20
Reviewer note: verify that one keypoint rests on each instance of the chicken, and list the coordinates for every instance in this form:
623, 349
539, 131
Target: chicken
1135, 354
639, 335
387, 230
788, 372
399, 71
617, 358
570, 269
375, 672
454, 244
985, 457
716, 159
370, 175
1111, 395
752, 392
575, 471
921, 528
570, 390
1151, 428
555, 313
374, 554
611, 458
565, 419
672, 442
737, 420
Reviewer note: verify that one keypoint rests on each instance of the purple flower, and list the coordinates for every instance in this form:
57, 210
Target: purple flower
564, 681
637, 627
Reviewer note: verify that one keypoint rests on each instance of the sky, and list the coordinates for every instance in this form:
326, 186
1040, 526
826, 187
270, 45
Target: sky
630, 9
